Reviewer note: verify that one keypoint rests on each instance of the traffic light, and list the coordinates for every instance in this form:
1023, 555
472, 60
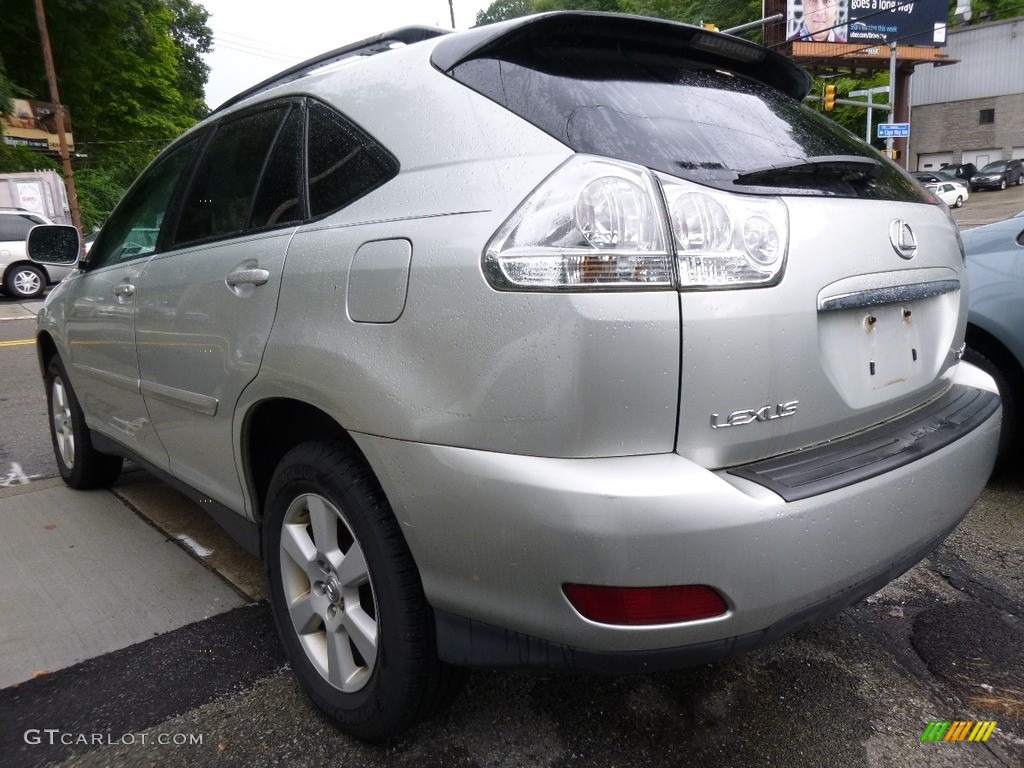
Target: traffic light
830, 98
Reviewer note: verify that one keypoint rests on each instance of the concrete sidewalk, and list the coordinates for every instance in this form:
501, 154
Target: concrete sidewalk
83, 574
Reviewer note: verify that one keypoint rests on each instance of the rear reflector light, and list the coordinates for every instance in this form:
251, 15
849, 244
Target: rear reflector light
637, 606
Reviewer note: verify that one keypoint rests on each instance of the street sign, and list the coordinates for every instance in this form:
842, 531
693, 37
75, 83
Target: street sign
893, 130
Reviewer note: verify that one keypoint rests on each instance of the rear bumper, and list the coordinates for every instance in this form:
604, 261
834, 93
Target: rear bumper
496, 535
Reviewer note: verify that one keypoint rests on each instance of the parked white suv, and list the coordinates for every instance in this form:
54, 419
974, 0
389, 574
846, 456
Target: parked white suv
575, 341
20, 278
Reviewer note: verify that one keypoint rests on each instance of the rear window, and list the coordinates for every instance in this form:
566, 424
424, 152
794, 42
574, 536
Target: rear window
683, 118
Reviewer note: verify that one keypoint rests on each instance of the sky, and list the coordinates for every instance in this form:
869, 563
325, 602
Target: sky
254, 39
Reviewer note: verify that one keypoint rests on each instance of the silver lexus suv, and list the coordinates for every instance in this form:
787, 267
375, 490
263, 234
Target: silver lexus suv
574, 341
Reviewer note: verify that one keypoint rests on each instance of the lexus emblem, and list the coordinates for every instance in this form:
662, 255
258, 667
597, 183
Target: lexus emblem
902, 238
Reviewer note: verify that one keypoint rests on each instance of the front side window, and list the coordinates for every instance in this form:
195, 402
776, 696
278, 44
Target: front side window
134, 228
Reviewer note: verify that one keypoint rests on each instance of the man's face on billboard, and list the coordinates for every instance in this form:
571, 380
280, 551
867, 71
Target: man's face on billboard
820, 17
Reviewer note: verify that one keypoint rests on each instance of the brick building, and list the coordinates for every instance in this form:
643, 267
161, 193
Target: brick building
972, 111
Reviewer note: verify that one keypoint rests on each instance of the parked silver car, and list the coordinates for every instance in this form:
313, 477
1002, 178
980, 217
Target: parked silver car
574, 341
995, 323
19, 277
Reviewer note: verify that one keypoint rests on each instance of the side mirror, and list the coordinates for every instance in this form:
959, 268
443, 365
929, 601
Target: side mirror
53, 244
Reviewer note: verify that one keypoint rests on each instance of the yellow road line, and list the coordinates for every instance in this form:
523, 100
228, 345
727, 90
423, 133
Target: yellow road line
17, 343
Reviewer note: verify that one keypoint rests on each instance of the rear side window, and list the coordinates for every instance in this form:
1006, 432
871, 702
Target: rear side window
221, 195
343, 162
683, 118
279, 199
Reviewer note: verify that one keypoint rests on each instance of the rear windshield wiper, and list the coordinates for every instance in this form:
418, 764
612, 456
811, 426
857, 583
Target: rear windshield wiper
815, 169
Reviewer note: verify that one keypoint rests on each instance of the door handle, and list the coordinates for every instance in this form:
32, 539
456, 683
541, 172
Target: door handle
248, 277
124, 290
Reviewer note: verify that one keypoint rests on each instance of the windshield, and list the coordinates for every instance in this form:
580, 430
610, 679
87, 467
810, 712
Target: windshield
994, 168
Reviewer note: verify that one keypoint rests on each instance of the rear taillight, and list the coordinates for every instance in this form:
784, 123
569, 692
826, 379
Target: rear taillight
638, 606
593, 224
724, 240
599, 224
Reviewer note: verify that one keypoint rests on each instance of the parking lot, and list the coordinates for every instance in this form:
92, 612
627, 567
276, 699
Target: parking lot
136, 633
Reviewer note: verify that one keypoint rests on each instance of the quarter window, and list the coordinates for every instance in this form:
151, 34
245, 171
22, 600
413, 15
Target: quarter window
344, 163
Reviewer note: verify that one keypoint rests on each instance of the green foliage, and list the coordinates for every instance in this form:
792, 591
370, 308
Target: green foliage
991, 10
577, 5
854, 119
6, 91
98, 193
130, 72
18, 159
500, 10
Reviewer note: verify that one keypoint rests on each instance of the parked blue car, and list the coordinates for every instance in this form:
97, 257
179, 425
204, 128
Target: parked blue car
995, 323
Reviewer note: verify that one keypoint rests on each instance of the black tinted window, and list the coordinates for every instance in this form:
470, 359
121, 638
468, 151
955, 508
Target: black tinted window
684, 119
221, 194
134, 227
279, 200
16, 226
343, 162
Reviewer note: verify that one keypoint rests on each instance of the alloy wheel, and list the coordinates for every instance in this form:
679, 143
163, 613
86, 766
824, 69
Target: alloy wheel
329, 595
63, 428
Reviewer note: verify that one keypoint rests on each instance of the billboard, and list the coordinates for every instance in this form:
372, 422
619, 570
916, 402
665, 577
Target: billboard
907, 22
34, 124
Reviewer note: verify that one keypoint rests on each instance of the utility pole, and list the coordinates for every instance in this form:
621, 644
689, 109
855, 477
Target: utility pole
451, 10
892, 94
65, 155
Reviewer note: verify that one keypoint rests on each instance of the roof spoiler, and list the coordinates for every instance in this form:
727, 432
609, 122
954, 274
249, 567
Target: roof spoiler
368, 47
616, 31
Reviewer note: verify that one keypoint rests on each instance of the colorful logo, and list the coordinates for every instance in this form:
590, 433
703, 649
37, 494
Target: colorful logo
958, 730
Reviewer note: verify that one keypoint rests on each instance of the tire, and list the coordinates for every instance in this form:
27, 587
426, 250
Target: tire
24, 281
81, 465
1011, 391
346, 595
959, 202
1020, 180
1002, 184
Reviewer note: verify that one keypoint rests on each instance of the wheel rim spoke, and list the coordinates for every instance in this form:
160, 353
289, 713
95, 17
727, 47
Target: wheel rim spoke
295, 542
324, 522
342, 670
353, 571
363, 632
305, 617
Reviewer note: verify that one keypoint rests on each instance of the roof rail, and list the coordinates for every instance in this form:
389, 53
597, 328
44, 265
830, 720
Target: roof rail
371, 45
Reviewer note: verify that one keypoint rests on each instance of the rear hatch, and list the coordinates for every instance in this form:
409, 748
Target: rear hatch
820, 286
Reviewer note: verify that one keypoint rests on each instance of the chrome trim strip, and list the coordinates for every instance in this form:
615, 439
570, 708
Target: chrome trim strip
190, 401
894, 294
114, 379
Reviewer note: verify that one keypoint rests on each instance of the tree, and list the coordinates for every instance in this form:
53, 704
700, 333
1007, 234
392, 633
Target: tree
130, 72
500, 10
